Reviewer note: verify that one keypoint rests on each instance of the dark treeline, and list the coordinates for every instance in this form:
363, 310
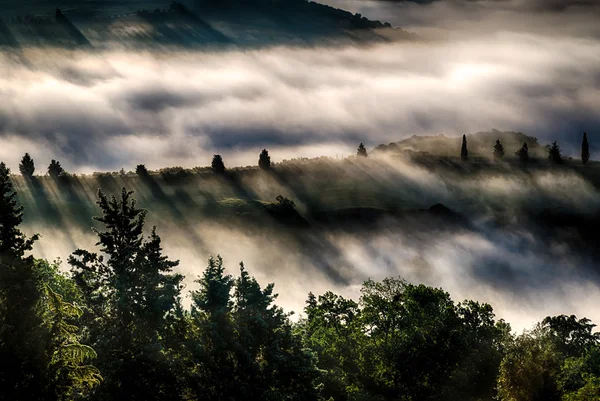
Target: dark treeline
55, 170
114, 328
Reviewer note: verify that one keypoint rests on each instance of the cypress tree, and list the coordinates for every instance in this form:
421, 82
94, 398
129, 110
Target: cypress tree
498, 150
464, 153
585, 149
264, 160
27, 167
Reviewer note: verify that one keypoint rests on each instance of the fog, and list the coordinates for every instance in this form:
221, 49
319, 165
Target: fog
99, 111
522, 65
499, 256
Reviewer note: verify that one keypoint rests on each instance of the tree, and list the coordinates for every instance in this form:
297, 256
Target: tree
211, 316
217, 164
248, 347
27, 166
585, 149
530, 370
362, 151
464, 153
13, 243
55, 169
130, 293
554, 153
141, 171
523, 153
40, 355
572, 336
498, 150
264, 160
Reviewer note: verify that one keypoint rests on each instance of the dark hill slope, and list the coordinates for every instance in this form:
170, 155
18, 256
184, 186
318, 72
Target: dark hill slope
200, 24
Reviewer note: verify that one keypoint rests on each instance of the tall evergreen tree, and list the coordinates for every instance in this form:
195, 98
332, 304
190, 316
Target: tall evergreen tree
13, 243
217, 164
40, 355
264, 160
523, 153
585, 149
211, 314
362, 151
27, 167
55, 169
130, 293
498, 150
464, 153
554, 153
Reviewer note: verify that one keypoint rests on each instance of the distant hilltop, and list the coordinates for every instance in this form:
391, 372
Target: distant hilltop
189, 24
480, 144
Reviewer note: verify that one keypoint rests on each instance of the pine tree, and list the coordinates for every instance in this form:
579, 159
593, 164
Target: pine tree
217, 164
211, 314
585, 149
271, 359
464, 153
130, 291
362, 151
55, 169
13, 243
264, 160
27, 166
523, 153
498, 150
554, 153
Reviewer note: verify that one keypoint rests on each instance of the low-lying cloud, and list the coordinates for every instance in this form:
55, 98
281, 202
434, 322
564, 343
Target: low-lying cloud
87, 109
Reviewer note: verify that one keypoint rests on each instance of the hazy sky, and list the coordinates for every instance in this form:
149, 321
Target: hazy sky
531, 66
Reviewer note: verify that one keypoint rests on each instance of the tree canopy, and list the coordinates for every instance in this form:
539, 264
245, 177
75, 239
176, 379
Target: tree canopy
27, 166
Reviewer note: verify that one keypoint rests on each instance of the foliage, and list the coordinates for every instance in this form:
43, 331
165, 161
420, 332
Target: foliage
554, 153
132, 296
217, 164
264, 160
362, 151
464, 153
141, 170
585, 149
250, 350
498, 150
55, 169
27, 166
523, 153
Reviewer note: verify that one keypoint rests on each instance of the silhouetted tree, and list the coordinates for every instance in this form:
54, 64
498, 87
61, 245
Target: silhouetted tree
130, 291
40, 356
55, 169
362, 151
585, 149
27, 167
264, 160
13, 243
217, 164
141, 170
554, 153
498, 150
464, 153
523, 153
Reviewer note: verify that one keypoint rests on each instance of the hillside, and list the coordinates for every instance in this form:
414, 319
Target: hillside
201, 24
480, 145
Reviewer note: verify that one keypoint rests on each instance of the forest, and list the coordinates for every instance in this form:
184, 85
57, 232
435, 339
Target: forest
112, 324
